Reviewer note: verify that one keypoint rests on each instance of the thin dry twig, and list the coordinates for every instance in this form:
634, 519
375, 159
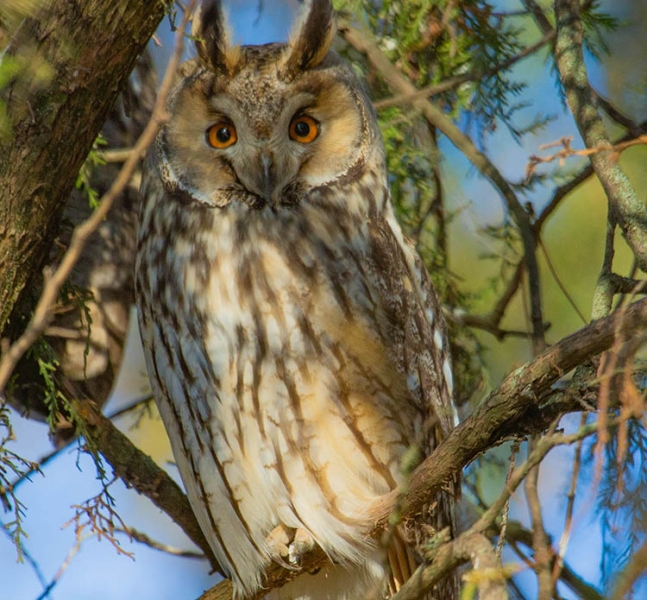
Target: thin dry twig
61, 570
568, 522
143, 538
567, 151
97, 514
506, 509
559, 282
540, 542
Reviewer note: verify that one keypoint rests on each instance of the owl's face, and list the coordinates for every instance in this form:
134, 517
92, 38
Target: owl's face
264, 124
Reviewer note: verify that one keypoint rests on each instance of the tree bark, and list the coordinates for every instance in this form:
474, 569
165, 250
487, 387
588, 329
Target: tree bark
89, 49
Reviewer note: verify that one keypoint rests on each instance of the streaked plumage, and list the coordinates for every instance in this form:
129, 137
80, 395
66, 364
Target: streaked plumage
294, 343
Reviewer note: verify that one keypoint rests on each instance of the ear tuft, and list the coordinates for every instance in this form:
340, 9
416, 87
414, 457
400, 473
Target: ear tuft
311, 38
213, 38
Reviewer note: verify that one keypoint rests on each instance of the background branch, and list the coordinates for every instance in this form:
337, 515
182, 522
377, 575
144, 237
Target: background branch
628, 211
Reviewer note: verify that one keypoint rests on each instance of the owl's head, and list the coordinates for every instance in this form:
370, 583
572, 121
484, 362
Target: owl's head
264, 125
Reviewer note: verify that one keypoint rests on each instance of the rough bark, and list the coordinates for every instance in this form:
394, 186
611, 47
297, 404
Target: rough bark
90, 48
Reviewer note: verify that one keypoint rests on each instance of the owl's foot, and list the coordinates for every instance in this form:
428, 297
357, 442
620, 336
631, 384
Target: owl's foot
289, 543
279, 542
301, 544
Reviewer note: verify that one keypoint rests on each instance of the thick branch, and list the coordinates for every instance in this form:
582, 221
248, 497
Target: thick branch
90, 48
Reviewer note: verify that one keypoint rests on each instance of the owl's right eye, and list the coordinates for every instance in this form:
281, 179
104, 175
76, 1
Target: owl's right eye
221, 135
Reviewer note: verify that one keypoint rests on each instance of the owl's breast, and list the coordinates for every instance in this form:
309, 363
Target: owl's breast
289, 406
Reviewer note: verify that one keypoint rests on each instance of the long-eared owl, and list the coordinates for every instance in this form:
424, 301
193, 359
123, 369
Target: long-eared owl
295, 345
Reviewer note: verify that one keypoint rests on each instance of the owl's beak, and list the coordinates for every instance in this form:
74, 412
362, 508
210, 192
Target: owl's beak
269, 177
261, 181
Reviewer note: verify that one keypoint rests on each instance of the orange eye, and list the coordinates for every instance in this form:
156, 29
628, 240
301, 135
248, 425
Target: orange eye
221, 135
304, 129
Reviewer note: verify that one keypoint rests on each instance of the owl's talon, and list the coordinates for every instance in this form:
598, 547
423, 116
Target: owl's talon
301, 544
279, 542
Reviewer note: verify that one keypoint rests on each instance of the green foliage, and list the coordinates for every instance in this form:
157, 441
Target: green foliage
58, 404
12, 466
597, 23
84, 178
433, 40
79, 298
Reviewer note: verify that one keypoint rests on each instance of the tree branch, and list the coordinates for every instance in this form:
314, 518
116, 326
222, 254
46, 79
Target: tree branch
88, 63
630, 213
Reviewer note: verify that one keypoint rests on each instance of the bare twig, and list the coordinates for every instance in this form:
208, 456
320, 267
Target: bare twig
540, 542
61, 570
518, 534
539, 452
568, 151
568, 524
117, 155
506, 508
491, 321
98, 516
142, 538
559, 282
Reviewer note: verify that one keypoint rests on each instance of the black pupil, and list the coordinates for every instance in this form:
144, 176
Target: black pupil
301, 129
223, 135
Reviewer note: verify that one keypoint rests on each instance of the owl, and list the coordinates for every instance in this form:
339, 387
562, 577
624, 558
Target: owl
295, 345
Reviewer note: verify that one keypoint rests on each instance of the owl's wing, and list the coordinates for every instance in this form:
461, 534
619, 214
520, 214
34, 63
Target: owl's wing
419, 331
422, 349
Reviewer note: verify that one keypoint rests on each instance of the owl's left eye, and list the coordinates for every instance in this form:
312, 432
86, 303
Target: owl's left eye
304, 129
221, 135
